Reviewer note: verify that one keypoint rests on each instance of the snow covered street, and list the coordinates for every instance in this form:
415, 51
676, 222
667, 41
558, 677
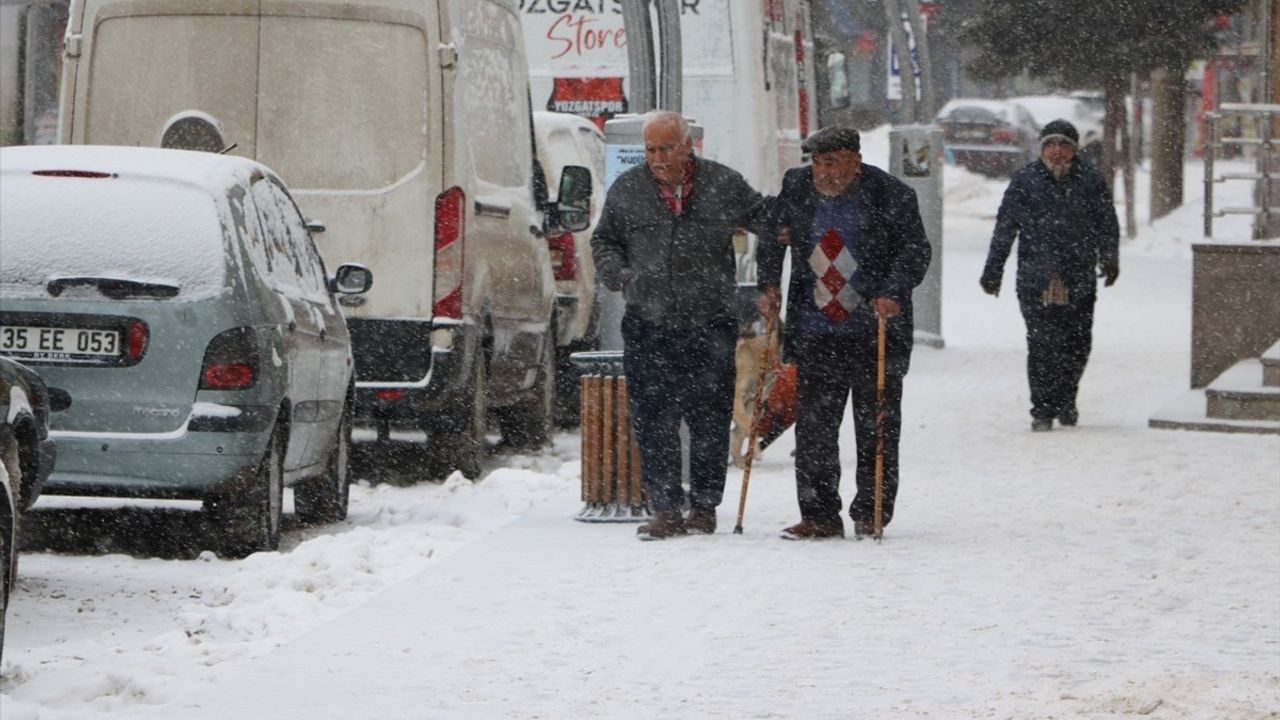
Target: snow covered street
1102, 571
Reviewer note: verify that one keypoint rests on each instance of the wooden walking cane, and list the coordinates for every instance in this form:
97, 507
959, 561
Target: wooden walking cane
880, 411
765, 360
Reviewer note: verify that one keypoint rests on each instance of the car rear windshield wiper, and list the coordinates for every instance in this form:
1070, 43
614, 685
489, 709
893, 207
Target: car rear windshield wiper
114, 288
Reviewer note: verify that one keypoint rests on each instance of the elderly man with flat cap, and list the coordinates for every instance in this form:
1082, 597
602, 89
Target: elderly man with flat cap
1060, 211
858, 248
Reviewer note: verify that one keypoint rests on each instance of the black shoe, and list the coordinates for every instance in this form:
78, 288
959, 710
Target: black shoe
665, 524
1041, 425
1068, 417
701, 522
810, 530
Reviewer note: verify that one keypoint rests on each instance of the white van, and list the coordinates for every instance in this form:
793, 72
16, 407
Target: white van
566, 140
403, 128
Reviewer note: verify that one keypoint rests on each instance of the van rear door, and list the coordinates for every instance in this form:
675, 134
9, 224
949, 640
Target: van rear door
359, 139
144, 63
353, 139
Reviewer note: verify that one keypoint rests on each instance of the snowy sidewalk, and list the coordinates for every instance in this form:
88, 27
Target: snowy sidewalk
1100, 571
1103, 571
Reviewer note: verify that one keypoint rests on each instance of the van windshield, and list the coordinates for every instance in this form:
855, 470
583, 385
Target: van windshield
138, 233
329, 104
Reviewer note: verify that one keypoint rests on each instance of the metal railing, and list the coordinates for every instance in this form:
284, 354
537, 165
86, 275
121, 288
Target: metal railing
1263, 178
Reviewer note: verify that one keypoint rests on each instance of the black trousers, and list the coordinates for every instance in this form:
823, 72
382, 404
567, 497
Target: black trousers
1059, 338
675, 374
829, 370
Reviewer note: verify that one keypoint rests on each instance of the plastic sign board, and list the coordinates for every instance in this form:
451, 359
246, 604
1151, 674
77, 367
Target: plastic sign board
619, 159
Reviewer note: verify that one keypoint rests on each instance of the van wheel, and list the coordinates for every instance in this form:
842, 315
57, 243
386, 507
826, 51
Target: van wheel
325, 498
469, 447
250, 515
527, 424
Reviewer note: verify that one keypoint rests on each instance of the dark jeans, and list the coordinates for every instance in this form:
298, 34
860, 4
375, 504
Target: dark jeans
681, 373
830, 369
1059, 338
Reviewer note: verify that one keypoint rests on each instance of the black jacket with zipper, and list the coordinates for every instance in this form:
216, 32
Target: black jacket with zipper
675, 270
1062, 226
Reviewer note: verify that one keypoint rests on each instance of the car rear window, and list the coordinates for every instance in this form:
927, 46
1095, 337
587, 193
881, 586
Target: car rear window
973, 114
142, 230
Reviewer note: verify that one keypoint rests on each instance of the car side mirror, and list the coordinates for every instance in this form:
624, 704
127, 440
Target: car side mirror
573, 204
351, 279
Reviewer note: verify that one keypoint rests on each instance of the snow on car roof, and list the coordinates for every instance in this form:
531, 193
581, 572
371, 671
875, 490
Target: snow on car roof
545, 120
196, 168
153, 216
997, 107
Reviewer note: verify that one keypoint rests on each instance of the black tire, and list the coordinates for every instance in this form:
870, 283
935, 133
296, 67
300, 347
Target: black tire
325, 498
469, 446
8, 554
251, 516
8, 541
8, 535
527, 424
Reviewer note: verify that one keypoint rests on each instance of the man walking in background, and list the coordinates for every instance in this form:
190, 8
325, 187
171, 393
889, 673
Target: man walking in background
1060, 211
858, 248
665, 239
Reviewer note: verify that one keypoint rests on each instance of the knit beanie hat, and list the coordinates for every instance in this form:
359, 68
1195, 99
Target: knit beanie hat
1059, 130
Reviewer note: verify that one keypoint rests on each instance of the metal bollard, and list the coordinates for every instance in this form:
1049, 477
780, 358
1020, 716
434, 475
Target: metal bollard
611, 486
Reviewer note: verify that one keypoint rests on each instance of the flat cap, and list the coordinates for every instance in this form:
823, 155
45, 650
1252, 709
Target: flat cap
830, 139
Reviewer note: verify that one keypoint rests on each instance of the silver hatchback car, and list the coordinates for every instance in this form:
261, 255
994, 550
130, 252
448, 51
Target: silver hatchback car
178, 310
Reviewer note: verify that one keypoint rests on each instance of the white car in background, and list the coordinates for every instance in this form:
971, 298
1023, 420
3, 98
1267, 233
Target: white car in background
1075, 110
563, 139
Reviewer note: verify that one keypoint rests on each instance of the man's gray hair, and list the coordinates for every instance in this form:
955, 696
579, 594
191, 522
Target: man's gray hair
657, 116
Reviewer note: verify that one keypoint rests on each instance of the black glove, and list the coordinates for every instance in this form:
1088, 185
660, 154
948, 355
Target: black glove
990, 284
1108, 270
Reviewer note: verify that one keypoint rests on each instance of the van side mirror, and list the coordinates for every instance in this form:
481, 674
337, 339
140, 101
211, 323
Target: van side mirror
314, 226
351, 279
573, 206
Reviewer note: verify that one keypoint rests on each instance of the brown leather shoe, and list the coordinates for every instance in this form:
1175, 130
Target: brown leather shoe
701, 522
810, 530
665, 524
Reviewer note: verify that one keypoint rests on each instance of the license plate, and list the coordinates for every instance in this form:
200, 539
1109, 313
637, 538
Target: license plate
59, 343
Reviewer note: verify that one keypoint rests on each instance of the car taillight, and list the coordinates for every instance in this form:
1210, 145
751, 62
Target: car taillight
390, 395
230, 361
564, 258
451, 218
1004, 135
136, 337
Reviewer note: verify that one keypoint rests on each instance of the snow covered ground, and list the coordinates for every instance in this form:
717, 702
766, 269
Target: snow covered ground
1103, 571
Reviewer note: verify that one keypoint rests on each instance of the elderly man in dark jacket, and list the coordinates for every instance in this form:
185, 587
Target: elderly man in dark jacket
858, 248
665, 239
1060, 211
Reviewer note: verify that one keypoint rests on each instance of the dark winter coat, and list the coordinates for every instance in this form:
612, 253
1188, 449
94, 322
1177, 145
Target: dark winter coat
892, 251
1066, 227
675, 270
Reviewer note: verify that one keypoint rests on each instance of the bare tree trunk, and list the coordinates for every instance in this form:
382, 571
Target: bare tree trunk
1114, 88
1126, 161
1168, 141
